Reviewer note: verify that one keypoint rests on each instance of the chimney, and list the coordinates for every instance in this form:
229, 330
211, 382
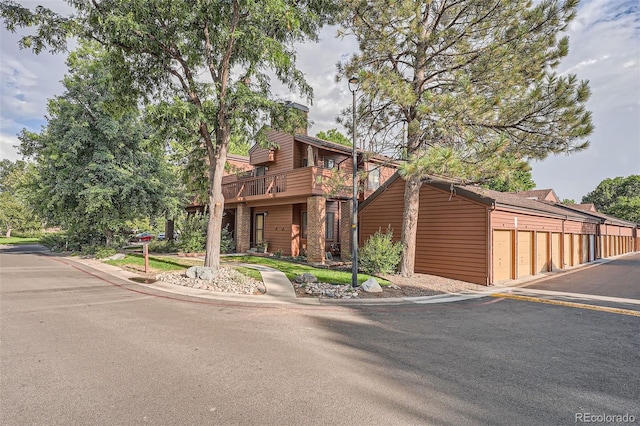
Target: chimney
300, 121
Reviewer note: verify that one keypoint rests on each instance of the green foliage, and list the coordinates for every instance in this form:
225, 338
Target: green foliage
334, 135
516, 178
16, 213
227, 244
568, 201
380, 254
102, 252
159, 50
97, 167
193, 235
54, 242
462, 88
619, 197
163, 247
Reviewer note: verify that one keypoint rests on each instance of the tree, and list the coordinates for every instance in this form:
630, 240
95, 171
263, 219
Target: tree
333, 135
15, 212
519, 179
205, 63
472, 82
619, 197
96, 166
568, 201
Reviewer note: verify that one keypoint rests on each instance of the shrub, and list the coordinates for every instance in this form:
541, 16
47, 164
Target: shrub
380, 254
102, 252
54, 242
227, 245
163, 247
193, 236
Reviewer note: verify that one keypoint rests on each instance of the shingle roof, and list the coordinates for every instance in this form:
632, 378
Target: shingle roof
538, 194
321, 143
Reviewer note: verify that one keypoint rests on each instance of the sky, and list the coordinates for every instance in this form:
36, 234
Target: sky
604, 48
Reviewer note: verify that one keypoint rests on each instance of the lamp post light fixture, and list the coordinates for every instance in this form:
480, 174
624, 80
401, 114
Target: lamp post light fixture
354, 84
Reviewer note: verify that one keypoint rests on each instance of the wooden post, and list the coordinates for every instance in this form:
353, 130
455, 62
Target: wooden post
145, 252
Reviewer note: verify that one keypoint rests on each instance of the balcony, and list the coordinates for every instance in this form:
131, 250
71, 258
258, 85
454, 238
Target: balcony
302, 182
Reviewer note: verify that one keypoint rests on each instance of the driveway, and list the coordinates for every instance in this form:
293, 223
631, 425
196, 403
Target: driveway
617, 278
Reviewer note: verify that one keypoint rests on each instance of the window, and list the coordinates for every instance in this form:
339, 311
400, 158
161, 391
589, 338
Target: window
373, 180
261, 170
329, 225
328, 163
259, 229
304, 224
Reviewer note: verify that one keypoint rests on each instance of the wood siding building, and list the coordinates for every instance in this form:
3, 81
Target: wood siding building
485, 237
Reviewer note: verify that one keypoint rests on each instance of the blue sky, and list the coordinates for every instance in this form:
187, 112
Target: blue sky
604, 49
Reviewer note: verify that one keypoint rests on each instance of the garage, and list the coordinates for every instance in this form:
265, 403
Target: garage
525, 253
567, 250
542, 252
575, 250
584, 240
502, 256
556, 251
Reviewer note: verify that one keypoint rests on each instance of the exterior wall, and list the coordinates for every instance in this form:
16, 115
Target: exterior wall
282, 156
316, 207
345, 230
452, 237
383, 212
243, 228
278, 227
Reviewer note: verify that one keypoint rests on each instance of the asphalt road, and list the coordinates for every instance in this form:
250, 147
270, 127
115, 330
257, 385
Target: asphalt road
79, 347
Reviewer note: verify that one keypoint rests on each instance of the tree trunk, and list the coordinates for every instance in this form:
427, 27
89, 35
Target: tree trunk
216, 208
108, 237
169, 230
8, 234
410, 225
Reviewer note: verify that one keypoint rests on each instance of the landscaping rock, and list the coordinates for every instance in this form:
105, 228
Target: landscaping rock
117, 256
202, 273
371, 286
306, 278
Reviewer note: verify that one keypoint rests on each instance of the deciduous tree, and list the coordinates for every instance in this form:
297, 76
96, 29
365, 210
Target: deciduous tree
470, 80
96, 166
206, 61
619, 197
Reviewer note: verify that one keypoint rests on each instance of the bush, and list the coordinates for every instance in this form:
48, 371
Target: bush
102, 252
54, 242
380, 255
163, 247
227, 245
193, 236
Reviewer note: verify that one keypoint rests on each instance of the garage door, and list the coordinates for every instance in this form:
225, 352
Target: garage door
575, 250
592, 248
567, 251
502, 256
584, 241
542, 252
525, 253
556, 251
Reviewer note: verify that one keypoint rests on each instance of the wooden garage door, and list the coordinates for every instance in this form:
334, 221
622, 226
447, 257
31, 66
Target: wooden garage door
542, 252
592, 248
567, 251
502, 256
556, 251
584, 243
525, 253
575, 250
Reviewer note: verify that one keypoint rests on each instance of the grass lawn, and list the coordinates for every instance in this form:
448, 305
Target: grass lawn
292, 270
159, 263
19, 240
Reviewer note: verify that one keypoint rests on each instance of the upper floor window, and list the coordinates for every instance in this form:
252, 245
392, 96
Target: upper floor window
328, 163
261, 170
373, 179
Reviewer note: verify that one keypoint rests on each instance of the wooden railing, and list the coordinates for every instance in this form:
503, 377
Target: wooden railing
298, 182
261, 185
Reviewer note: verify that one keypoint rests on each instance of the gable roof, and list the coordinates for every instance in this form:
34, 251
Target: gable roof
585, 207
538, 194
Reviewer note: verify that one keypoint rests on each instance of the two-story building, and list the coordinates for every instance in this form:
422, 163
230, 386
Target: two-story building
296, 198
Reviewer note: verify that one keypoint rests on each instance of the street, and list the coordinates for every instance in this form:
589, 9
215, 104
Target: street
81, 347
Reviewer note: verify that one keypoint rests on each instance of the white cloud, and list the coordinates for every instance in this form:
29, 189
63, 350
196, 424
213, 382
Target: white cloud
8, 148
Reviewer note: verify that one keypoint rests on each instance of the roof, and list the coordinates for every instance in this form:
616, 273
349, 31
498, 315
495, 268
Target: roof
603, 217
538, 194
585, 207
321, 143
490, 198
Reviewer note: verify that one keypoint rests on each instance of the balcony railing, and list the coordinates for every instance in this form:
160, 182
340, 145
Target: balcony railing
303, 181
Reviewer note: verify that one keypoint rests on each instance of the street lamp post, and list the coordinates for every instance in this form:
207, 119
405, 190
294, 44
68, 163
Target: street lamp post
353, 87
